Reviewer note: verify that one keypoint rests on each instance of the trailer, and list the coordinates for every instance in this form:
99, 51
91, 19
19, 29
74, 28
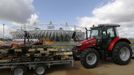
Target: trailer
35, 57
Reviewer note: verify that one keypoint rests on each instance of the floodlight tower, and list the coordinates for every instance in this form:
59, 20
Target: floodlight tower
3, 31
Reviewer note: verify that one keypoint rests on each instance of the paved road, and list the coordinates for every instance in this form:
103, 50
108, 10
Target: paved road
104, 68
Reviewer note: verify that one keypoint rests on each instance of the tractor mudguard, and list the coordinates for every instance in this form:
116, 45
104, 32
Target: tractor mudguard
115, 41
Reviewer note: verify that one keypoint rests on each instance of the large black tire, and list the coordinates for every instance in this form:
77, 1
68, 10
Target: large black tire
90, 58
118, 51
19, 70
40, 69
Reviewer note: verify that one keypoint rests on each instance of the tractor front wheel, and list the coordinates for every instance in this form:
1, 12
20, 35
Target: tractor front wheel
90, 58
122, 53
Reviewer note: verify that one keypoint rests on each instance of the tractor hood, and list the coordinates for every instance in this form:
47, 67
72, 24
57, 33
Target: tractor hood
86, 43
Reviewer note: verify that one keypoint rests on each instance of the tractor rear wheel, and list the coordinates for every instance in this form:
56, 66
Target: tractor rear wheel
90, 58
122, 53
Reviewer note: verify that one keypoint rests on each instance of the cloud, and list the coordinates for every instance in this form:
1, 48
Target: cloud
115, 11
18, 11
15, 14
33, 20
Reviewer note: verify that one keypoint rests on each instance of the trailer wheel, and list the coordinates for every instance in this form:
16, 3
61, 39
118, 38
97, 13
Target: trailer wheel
90, 58
40, 69
122, 53
19, 70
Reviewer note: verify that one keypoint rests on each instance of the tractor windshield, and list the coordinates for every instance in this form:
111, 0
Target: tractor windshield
94, 33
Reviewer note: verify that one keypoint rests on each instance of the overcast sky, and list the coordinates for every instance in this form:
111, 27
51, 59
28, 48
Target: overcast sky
85, 13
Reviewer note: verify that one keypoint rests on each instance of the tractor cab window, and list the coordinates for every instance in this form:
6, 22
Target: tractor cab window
116, 31
111, 33
104, 34
94, 33
108, 33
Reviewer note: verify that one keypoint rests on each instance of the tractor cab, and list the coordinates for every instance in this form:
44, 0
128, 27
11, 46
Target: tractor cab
103, 31
103, 34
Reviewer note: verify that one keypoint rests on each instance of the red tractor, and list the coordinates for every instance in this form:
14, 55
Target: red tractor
103, 43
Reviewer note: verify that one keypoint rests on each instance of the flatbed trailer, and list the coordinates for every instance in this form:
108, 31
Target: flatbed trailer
36, 57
